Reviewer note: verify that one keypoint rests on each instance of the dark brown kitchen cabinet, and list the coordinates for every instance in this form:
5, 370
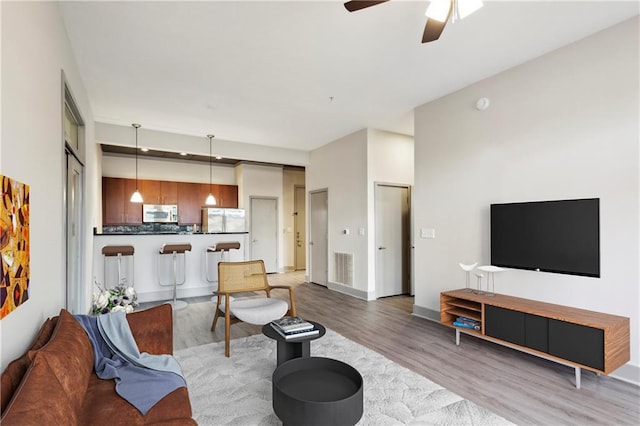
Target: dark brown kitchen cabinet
191, 198
159, 191
116, 207
228, 196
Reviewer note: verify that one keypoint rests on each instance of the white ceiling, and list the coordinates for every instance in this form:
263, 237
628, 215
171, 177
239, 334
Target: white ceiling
300, 74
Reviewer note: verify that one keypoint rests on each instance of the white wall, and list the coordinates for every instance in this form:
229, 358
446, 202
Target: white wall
390, 157
341, 167
389, 161
349, 168
562, 126
262, 181
35, 50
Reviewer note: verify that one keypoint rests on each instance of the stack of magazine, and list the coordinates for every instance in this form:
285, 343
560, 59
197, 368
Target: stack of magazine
465, 322
294, 327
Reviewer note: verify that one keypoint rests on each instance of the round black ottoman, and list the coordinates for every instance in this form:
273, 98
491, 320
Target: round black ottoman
317, 391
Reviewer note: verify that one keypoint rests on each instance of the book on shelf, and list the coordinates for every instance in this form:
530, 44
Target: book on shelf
465, 325
468, 321
296, 333
287, 324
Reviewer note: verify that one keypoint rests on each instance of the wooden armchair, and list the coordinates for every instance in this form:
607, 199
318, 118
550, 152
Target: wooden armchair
243, 277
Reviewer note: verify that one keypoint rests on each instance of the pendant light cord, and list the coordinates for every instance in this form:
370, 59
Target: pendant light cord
136, 158
210, 165
136, 126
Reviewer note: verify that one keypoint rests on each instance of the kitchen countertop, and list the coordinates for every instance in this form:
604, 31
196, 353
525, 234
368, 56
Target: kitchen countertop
169, 233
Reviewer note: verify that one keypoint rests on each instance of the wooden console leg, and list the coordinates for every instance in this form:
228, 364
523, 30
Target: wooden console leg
578, 376
457, 337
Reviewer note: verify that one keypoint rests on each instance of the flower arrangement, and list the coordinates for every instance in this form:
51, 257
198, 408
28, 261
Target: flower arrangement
119, 298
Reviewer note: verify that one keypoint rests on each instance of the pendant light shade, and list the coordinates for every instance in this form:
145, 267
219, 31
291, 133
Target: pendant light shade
211, 200
136, 197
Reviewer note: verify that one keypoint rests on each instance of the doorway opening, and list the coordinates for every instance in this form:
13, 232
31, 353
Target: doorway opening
393, 243
74, 193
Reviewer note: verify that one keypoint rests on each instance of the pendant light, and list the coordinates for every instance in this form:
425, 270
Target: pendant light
136, 197
211, 200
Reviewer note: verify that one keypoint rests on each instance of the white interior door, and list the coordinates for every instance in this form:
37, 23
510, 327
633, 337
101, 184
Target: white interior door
74, 235
318, 232
264, 232
392, 240
300, 250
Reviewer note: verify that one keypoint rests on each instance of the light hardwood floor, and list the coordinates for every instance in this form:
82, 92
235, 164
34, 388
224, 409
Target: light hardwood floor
522, 388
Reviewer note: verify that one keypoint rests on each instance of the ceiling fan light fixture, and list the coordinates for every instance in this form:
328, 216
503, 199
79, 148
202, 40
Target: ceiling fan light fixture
465, 8
438, 10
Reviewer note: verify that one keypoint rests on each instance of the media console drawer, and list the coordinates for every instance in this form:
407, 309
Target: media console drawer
578, 343
576, 337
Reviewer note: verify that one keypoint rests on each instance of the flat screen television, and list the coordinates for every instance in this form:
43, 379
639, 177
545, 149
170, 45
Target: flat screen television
552, 236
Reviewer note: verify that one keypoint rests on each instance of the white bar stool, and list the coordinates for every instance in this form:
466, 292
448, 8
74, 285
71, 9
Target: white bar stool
174, 250
117, 252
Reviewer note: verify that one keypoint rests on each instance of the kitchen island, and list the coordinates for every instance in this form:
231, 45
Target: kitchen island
152, 273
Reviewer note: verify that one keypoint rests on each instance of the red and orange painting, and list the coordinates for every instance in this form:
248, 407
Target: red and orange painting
14, 245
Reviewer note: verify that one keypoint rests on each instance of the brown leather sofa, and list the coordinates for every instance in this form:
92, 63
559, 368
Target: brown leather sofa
54, 382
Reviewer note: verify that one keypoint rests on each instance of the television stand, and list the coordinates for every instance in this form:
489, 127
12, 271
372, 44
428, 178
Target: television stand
578, 338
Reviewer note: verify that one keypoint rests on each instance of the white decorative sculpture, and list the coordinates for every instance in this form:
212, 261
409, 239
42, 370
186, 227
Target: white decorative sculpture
479, 290
468, 269
491, 278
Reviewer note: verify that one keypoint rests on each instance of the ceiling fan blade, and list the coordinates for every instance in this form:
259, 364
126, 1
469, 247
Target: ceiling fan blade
354, 5
432, 30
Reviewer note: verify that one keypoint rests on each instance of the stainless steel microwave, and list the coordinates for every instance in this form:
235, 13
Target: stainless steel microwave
163, 213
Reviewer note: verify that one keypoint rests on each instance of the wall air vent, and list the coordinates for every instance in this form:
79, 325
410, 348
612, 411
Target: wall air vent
343, 268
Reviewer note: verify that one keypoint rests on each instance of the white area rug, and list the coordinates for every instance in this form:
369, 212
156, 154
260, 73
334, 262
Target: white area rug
237, 390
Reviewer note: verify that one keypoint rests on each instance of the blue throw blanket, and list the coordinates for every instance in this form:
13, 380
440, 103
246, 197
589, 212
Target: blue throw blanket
141, 379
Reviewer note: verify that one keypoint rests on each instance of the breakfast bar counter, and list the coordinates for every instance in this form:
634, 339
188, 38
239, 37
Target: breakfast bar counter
152, 272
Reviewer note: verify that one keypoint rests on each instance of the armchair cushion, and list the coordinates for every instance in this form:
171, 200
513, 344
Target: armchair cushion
258, 311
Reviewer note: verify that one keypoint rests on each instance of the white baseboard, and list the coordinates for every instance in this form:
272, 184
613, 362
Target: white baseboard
341, 288
627, 373
426, 313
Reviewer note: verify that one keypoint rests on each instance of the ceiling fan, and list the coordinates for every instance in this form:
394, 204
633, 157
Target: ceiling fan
438, 13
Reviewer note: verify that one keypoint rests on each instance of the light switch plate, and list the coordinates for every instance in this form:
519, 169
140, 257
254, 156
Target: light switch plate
427, 233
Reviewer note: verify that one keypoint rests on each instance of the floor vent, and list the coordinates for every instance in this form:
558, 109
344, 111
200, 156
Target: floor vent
343, 268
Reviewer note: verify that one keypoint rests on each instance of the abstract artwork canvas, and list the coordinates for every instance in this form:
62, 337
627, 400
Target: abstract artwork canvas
14, 245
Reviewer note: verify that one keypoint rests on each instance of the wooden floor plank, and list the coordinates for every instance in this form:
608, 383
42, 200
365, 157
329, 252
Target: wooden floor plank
522, 388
